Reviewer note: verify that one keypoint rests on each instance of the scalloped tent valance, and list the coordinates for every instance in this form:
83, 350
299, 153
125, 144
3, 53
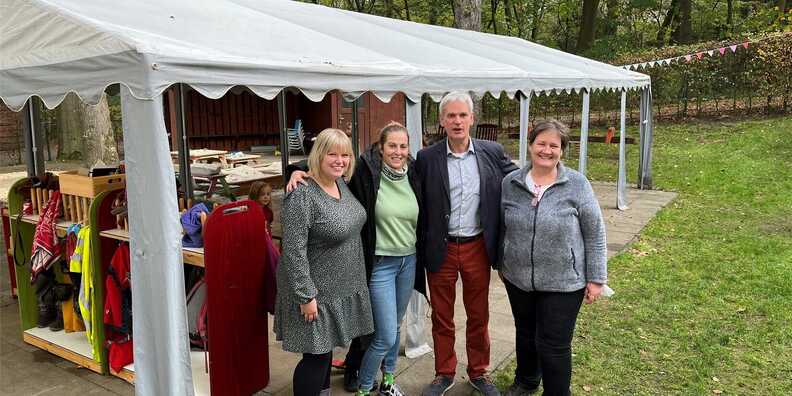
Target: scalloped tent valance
53, 47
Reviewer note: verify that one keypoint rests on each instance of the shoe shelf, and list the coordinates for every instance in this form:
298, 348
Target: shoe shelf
72, 346
192, 256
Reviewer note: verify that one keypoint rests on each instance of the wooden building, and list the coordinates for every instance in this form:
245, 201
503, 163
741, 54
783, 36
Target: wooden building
240, 120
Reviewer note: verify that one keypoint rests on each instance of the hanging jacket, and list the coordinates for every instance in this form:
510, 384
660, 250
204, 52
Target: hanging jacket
81, 263
118, 294
365, 185
191, 223
46, 247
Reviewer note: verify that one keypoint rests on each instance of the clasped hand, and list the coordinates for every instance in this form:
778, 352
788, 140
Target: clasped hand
309, 310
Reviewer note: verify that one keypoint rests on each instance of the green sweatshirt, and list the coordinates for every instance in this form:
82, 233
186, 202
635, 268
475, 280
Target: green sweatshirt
396, 217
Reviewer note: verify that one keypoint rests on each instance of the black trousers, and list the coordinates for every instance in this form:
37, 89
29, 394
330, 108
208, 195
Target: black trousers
354, 356
312, 374
545, 323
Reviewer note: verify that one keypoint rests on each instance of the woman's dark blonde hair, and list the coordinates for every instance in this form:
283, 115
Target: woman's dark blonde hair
256, 188
551, 124
392, 127
328, 140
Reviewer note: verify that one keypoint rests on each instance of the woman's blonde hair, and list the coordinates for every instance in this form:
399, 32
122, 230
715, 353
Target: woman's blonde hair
328, 140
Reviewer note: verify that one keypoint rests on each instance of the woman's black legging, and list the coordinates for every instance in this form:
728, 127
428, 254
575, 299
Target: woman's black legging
312, 374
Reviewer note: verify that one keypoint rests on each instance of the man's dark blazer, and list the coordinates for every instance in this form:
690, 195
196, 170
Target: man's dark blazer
432, 170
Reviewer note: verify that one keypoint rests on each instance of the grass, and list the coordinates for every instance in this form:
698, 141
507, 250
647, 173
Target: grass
703, 300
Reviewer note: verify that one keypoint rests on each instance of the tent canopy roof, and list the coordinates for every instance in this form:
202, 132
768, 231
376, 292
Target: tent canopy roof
52, 47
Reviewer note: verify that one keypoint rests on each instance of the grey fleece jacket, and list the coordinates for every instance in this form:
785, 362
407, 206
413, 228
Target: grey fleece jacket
558, 245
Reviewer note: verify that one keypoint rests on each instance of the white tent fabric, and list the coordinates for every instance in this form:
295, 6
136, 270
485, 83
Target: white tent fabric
51, 47
159, 323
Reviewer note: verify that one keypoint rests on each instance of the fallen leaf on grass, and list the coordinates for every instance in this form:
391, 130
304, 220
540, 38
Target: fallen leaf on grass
717, 391
587, 388
715, 379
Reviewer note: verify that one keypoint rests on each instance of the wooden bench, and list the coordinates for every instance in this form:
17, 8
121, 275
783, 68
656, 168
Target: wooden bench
601, 139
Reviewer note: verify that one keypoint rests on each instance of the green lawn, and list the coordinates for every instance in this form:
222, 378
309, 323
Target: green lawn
703, 300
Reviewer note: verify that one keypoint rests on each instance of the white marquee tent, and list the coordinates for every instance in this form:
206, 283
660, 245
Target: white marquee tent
49, 48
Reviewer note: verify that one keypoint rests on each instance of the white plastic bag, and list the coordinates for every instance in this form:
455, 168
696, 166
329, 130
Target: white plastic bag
414, 327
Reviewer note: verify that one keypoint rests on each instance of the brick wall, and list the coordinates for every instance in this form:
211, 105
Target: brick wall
12, 144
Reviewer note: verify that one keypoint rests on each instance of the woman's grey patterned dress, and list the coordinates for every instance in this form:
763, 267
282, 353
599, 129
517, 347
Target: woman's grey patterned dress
322, 258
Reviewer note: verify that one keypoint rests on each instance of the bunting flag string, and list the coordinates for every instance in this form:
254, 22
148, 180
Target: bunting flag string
688, 57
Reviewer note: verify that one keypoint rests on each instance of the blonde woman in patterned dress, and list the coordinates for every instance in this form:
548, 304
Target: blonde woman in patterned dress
323, 300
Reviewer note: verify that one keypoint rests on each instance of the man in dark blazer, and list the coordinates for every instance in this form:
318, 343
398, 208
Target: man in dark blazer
458, 226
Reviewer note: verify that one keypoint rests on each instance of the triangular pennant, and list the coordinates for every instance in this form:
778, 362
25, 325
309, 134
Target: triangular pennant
722, 50
688, 57
745, 45
711, 52
699, 55
733, 48
653, 63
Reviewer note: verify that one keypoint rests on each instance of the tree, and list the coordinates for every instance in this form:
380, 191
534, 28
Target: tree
467, 15
587, 25
683, 32
86, 131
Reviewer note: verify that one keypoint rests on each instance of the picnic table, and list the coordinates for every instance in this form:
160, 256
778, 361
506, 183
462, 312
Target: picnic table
241, 159
204, 155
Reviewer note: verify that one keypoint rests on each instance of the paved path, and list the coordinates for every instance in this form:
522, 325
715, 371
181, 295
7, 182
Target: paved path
26, 370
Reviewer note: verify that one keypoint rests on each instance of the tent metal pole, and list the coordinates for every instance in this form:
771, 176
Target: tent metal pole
645, 173
621, 184
34, 158
185, 173
584, 126
414, 123
525, 104
355, 131
284, 134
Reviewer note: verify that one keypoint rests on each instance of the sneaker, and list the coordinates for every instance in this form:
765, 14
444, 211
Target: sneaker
388, 387
438, 387
518, 389
484, 385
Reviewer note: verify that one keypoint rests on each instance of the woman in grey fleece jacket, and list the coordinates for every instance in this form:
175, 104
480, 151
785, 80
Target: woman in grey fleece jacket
553, 257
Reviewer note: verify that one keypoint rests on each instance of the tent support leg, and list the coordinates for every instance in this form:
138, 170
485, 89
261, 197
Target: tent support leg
584, 126
414, 123
525, 104
355, 132
621, 184
185, 174
284, 135
34, 157
162, 355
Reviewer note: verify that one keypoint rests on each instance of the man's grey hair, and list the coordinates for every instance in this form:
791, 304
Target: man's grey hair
456, 96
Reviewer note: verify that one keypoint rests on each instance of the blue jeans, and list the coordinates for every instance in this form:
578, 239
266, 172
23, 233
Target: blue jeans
390, 288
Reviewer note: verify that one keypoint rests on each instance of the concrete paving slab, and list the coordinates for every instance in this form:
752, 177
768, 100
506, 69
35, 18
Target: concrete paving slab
26, 370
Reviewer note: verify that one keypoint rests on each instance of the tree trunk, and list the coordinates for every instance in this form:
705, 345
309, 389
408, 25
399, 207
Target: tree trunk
588, 22
612, 18
467, 15
86, 132
683, 32
730, 13
667, 21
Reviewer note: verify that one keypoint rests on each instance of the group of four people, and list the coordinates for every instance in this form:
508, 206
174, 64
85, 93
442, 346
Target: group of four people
358, 238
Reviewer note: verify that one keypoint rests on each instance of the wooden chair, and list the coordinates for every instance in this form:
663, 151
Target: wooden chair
487, 132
